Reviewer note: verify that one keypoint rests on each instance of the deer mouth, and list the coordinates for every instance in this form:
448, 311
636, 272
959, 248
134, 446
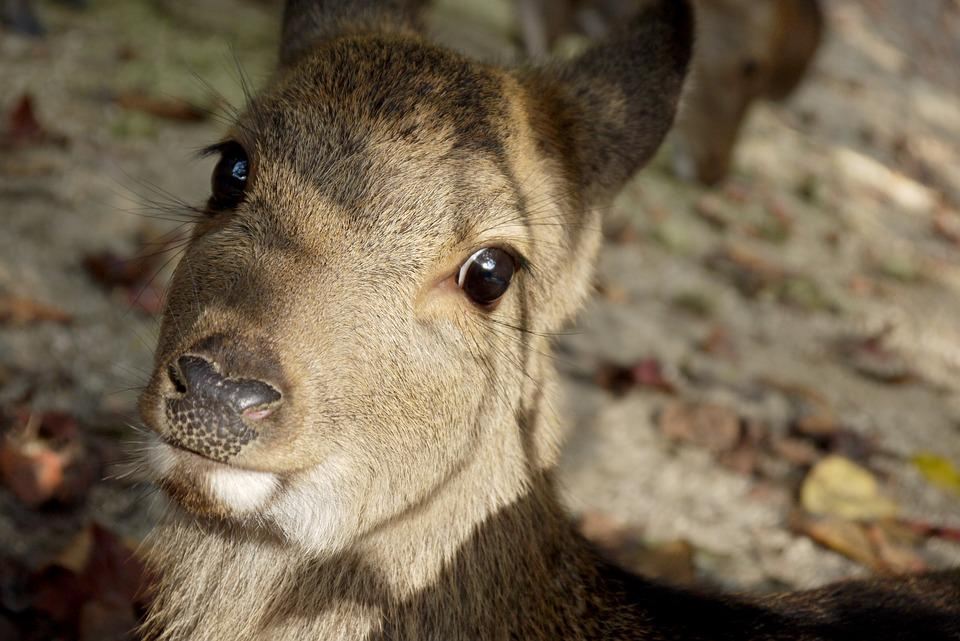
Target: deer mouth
206, 486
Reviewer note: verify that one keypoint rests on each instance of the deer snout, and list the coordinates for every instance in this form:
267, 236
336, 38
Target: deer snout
216, 402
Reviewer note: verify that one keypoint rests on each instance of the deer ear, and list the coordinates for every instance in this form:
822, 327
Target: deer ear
604, 113
308, 22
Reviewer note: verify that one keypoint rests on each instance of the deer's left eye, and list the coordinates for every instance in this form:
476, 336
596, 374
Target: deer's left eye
229, 180
486, 275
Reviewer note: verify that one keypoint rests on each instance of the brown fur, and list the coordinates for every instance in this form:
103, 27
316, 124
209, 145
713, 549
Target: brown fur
403, 488
747, 50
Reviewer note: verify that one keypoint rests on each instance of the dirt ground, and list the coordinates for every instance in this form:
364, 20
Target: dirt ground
822, 282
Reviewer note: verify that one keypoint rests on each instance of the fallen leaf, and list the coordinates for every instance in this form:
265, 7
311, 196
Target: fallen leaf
669, 561
603, 530
619, 379
694, 303
870, 357
838, 487
718, 343
893, 556
749, 273
76, 555
714, 427
946, 225
32, 471
24, 129
711, 210
938, 471
845, 537
133, 276
170, 109
649, 373
795, 451
21, 312
111, 270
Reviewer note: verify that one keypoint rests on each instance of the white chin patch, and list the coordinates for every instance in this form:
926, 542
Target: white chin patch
314, 513
241, 491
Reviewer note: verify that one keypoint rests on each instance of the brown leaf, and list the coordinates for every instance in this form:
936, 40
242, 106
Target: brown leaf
619, 379
649, 373
845, 537
111, 270
21, 312
894, 556
714, 427
718, 343
946, 225
170, 109
749, 273
24, 129
795, 451
710, 209
76, 555
133, 276
871, 357
670, 561
603, 530
32, 471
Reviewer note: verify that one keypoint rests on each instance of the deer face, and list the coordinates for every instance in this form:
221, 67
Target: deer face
392, 229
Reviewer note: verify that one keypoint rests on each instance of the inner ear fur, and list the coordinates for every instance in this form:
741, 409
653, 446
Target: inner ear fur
307, 22
603, 114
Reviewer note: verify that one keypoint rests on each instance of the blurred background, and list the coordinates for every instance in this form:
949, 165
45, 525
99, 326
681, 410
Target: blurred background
763, 393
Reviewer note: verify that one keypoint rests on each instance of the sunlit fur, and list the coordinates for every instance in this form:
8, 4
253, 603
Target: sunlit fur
403, 489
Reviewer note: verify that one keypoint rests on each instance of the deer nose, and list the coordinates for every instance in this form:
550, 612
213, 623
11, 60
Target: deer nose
214, 414
199, 377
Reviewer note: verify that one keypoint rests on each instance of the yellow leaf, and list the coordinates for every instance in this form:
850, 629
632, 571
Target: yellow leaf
938, 471
837, 486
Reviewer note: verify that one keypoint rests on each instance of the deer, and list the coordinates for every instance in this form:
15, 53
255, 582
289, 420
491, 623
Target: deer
748, 51
352, 404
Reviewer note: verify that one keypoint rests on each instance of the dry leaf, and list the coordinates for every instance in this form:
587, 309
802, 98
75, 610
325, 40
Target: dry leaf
714, 427
170, 109
21, 312
842, 536
24, 129
938, 471
32, 471
837, 486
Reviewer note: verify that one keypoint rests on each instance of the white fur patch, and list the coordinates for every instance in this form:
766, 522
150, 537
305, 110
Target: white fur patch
160, 459
314, 513
241, 490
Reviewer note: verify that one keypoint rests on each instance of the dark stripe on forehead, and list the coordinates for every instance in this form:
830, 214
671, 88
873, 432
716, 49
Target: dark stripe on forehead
328, 110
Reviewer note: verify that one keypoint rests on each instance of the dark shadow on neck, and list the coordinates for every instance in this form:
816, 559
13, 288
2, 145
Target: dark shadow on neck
525, 574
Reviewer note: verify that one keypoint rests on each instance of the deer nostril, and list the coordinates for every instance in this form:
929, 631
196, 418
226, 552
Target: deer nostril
174, 375
197, 377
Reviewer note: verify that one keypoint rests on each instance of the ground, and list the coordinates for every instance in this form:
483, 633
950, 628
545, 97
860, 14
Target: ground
808, 307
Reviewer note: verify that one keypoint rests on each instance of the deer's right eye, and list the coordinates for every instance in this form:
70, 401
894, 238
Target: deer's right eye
229, 181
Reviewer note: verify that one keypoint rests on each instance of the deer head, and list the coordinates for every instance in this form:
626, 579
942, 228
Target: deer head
356, 337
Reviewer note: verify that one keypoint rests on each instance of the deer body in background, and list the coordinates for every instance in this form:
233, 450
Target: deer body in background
747, 50
351, 400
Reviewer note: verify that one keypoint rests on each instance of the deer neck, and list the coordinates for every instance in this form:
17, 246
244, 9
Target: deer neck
490, 549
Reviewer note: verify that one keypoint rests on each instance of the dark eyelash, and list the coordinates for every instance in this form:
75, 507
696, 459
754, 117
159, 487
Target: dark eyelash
212, 150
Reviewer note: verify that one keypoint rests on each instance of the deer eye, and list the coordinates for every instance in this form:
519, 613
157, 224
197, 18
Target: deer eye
486, 275
229, 179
